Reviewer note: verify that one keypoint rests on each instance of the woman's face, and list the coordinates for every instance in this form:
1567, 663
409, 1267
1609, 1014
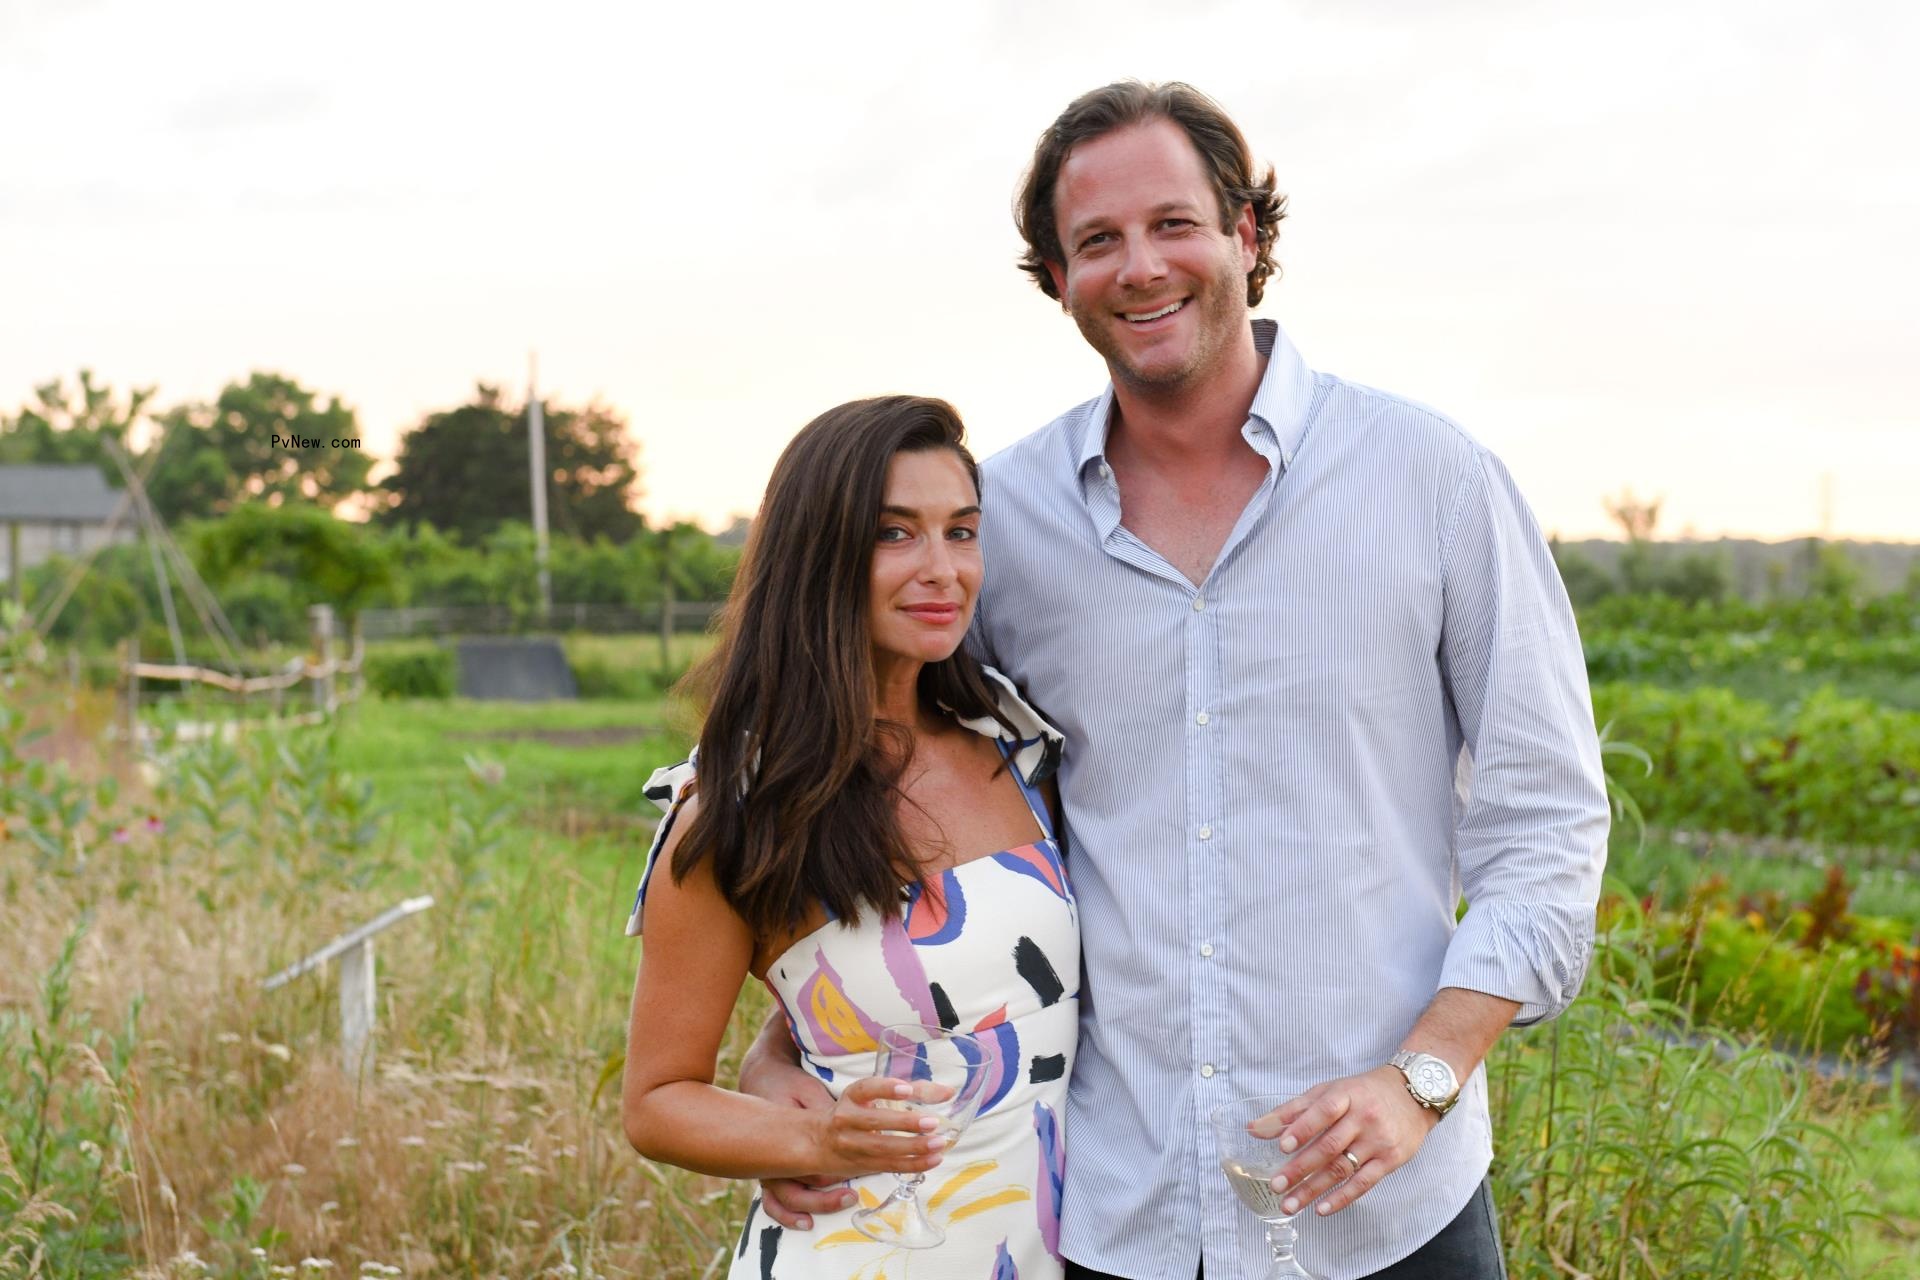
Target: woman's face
926, 560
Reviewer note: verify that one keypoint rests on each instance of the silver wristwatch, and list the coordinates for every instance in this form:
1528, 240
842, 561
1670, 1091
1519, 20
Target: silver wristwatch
1430, 1080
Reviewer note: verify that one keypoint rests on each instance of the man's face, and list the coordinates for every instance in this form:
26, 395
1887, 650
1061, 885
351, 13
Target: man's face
1157, 288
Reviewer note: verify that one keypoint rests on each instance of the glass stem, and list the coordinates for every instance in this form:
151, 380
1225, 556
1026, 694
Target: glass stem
1281, 1238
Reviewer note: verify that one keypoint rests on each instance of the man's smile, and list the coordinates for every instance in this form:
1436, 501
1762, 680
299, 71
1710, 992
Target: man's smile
1145, 317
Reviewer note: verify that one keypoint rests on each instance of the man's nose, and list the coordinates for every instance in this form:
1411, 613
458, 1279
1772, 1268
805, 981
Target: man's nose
1143, 263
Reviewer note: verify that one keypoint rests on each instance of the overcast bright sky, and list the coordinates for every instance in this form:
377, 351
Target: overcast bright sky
1664, 245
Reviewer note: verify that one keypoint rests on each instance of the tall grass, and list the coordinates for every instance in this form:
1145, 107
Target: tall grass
162, 1115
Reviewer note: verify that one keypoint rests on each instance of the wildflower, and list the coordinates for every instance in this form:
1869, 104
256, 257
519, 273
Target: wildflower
121, 835
316, 1264
330, 1206
154, 824
467, 1166
258, 1252
278, 1051
346, 1142
413, 1140
190, 1260
227, 1037
293, 1170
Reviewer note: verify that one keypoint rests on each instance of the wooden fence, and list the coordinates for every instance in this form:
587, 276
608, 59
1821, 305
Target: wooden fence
329, 678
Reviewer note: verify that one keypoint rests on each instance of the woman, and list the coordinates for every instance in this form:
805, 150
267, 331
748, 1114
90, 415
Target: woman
868, 841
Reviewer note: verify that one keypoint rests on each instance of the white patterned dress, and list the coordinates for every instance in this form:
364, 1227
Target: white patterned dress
992, 946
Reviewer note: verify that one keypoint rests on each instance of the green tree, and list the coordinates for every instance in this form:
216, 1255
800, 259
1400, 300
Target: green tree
333, 561
244, 447
72, 424
464, 471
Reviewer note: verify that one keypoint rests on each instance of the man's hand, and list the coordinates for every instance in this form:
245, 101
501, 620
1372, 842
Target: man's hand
1371, 1116
769, 1071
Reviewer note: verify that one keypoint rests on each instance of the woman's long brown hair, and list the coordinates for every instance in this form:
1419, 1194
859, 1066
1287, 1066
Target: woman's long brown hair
798, 776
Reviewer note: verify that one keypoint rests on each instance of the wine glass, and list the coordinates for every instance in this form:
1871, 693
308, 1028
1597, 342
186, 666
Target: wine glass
1250, 1163
948, 1073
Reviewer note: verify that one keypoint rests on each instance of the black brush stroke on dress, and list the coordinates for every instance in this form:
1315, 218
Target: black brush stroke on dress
769, 1251
746, 1229
1034, 966
943, 1006
1046, 1067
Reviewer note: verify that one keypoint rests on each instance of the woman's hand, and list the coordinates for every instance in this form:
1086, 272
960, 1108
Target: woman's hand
860, 1134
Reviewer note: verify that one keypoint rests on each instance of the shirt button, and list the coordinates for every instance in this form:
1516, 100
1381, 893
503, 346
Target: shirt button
1202, 718
1206, 1070
1199, 603
1106, 472
1206, 948
1206, 832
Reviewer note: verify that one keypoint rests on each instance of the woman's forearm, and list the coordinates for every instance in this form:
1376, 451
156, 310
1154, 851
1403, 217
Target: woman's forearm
729, 1135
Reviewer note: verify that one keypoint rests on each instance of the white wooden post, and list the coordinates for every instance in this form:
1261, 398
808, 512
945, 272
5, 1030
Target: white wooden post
320, 620
354, 951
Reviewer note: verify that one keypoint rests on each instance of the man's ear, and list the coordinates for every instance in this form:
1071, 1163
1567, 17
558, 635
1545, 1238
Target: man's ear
1059, 276
1247, 232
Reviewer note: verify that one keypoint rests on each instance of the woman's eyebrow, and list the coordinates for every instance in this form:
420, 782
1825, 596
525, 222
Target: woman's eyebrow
913, 513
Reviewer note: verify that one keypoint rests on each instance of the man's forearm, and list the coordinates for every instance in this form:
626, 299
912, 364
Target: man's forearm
772, 1047
1460, 1027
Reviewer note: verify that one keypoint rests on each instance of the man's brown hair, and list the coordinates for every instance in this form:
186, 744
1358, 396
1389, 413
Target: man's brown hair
1223, 150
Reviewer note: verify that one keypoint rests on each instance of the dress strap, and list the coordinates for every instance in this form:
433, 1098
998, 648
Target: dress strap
1036, 803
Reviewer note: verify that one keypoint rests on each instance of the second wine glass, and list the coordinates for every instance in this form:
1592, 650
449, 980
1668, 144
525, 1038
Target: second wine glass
1250, 1161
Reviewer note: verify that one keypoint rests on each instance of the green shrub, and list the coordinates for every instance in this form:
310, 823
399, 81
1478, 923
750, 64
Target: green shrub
411, 671
1826, 768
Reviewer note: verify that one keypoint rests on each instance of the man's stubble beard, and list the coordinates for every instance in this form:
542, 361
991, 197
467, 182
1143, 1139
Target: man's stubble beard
1223, 312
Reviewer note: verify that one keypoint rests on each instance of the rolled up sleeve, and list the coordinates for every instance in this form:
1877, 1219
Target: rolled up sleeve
1532, 812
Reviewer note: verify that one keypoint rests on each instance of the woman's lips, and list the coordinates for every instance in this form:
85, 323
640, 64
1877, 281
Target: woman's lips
937, 614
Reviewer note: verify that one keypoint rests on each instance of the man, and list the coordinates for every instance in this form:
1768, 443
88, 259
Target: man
1318, 676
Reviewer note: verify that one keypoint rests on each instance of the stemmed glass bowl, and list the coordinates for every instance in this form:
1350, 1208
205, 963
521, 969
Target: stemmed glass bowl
947, 1073
1249, 1162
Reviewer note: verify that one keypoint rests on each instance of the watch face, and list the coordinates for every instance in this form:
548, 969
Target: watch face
1431, 1079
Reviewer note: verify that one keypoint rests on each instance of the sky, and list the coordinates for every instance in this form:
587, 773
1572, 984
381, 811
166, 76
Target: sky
1666, 247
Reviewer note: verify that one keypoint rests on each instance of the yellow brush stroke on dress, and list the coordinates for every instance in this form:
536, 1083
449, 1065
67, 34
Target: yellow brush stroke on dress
1012, 1195
960, 1178
836, 1016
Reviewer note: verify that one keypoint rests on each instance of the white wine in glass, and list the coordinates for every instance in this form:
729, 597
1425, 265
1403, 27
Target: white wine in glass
1250, 1163
948, 1073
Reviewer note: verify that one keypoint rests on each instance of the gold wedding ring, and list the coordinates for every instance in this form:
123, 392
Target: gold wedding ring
1352, 1159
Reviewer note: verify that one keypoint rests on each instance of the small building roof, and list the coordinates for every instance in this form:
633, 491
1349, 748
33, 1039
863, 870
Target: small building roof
49, 491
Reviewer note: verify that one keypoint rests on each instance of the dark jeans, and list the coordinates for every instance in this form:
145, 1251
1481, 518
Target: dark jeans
1468, 1248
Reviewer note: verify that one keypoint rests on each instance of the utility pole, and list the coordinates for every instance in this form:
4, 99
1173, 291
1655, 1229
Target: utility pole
537, 469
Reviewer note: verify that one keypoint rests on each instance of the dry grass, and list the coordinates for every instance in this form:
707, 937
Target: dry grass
220, 1135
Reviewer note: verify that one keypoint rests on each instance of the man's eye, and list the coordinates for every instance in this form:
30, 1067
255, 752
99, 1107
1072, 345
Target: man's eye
963, 534
1096, 240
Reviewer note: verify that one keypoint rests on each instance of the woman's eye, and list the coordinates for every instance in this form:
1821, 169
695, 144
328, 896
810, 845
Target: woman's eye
893, 533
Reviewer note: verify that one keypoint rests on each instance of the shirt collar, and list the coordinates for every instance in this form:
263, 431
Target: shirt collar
1276, 421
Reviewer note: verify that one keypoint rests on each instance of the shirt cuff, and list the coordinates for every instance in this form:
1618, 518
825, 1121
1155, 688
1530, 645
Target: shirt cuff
1534, 953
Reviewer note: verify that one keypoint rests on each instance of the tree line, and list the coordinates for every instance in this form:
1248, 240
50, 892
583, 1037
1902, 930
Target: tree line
462, 471
263, 523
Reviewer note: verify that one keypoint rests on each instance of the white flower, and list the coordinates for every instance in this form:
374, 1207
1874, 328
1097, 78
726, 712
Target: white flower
316, 1264
293, 1170
346, 1142
413, 1140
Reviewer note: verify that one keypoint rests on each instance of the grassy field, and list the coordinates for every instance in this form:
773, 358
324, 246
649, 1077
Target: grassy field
173, 1119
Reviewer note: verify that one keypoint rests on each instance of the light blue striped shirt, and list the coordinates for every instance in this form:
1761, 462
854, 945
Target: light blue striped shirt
1279, 784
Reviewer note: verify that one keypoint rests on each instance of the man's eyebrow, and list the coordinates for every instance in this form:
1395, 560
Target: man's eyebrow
913, 513
1081, 228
